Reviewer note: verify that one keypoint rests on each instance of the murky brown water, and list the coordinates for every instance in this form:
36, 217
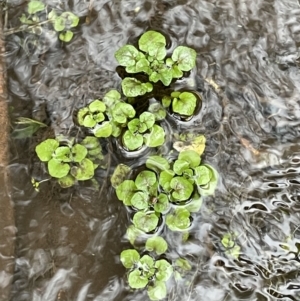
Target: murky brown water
68, 241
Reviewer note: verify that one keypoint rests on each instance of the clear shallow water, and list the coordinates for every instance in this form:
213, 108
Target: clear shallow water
68, 241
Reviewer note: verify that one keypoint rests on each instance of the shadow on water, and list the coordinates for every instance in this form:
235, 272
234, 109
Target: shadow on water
68, 241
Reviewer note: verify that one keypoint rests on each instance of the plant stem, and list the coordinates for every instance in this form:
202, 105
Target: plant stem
23, 28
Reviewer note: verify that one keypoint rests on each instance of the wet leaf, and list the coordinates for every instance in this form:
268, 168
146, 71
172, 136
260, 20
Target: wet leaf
191, 157
91, 143
185, 58
66, 36
228, 241
136, 280
166, 76
149, 38
178, 220
140, 200
82, 113
176, 72
191, 142
210, 188
89, 121
25, 20
145, 180
157, 50
195, 204
133, 233
35, 6
111, 98
132, 141
157, 163
157, 291
84, 170
202, 175
66, 181
59, 24
166, 101
158, 111
132, 87
156, 244
125, 191
58, 169
148, 119
97, 106
79, 152
164, 270
165, 179
162, 203
182, 265
103, 130
129, 258
146, 263
62, 153
127, 55
121, 172
154, 77
121, 111
182, 188
70, 19
142, 66
145, 221
180, 166
156, 137
185, 104
45, 149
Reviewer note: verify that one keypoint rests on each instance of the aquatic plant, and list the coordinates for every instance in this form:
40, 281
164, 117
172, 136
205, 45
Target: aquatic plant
151, 59
62, 22
229, 243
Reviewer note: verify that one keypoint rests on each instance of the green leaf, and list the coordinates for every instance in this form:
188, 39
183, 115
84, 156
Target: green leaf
132, 233
166, 76
97, 106
35, 6
176, 72
185, 58
66, 36
166, 101
158, 111
195, 204
210, 188
82, 113
140, 200
116, 129
202, 175
165, 179
79, 152
148, 119
127, 55
59, 24
121, 111
146, 263
111, 98
179, 220
156, 137
66, 181
154, 77
90, 143
133, 125
70, 19
136, 280
162, 203
185, 104
132, 141
142, 66
157, 50
45, 149
98, 117
182, 265
84, 170
125, 191
145, 180
149, 38
132, 87
157, 163
62, 153
52, 15
129, 258
89, 121
58, 169
228, 241
145, 221
180, 166
190, 142
191, 157
182, 188
121, 172
156, 244
157, 291
103, 130
164, 270
25, 20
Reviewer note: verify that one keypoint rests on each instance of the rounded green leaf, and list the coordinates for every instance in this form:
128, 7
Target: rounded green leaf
62, 153
82, 113
98, 117
195, 204
66, 181
59, 24
89, 121
209, 189
132, 141
66, 36
145, 180
180, 166
162, 203
134, 125
111, 98
149, 38
125, 191
121, 111
190, 156
190, 142
70, 19
157, 50
119, 175
148, 119
154, 77
58, 169
146, 262
165, 179
156, 137
84, 170
140, 200
35, 6
202, 175
103, 130
132, 233
185, 58
79, 152
116, 129
127, 55
179, 220
145, 221
182, 188
164, 270
157, 163
97, 106
142, 66
136, 280
158, 111
176, 72
166, 76
129, 258
185, 104
156, 244
91, 143
45, 149
182, 265
166, 101
157, 291
132, 87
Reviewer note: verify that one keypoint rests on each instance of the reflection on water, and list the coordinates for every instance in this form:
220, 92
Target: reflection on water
68, 241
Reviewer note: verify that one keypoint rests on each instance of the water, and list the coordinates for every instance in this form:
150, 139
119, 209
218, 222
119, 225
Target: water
68, 241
